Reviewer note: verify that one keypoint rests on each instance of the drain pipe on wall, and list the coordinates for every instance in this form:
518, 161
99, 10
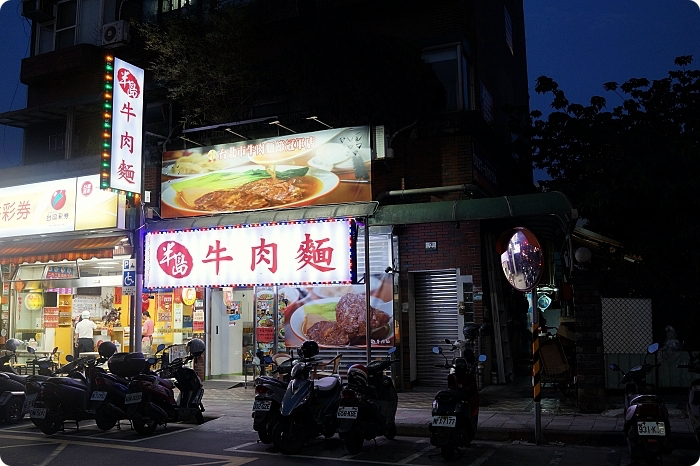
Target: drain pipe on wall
467, 188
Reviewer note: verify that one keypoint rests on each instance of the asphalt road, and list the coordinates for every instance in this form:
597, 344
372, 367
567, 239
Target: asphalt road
221, 443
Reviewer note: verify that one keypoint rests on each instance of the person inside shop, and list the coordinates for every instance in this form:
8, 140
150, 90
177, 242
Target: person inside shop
83, 334
146, 333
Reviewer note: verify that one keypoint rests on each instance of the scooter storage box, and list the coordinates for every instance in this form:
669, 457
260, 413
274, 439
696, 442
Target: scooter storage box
127, 364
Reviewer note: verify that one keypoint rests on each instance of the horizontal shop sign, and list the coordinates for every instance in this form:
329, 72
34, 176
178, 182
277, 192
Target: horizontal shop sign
245, 255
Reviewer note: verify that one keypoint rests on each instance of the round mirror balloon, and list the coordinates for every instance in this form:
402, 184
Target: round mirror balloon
521, 260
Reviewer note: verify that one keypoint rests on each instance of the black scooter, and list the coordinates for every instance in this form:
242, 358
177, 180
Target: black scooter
14, 401
308, 407
157, 404
456, 410
269, 392
61, 399
647, 427
368, 403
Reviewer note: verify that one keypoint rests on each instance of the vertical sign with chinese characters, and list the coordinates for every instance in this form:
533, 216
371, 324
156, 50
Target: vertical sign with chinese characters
124, 169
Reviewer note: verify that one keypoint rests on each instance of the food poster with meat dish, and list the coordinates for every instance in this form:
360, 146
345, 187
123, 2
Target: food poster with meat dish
336, 316
324, 167
265, 318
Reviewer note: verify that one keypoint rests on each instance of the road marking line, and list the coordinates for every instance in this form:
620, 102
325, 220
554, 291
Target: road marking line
482, 459
54, 454
240, 446
230, 460
25, 445
103, 435
344, 459
414, 456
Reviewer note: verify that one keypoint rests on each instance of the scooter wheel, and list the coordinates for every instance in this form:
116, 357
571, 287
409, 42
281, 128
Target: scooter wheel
144, 426
103, 419
13, 411
447, 452
391, 431
199, 417
52, 423
288, 436
354, 442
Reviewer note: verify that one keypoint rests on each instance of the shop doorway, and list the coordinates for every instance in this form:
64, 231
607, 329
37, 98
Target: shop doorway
230, 330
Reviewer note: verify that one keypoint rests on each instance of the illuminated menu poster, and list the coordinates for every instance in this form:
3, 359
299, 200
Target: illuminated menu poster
264, 318
336, 316
322, 167
50, 316
295, 252
57, 271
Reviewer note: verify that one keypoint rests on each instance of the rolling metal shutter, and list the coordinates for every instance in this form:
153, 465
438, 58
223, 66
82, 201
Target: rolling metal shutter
436, 319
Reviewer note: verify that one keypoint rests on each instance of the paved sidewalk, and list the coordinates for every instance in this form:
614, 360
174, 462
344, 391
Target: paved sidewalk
505, 414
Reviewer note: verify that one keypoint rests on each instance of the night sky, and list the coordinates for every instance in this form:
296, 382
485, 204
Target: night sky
580, 44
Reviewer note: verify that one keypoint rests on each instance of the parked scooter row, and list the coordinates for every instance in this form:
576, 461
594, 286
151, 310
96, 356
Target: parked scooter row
130, 390
693, 405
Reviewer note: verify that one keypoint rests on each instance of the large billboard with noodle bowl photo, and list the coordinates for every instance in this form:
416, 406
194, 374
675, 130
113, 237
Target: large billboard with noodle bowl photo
324, 167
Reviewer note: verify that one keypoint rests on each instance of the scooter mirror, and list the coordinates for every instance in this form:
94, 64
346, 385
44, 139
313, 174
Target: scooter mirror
160, 347
447, 340
482, 358
392, 350
614, 367
70, 358
31, 350
151, 361
437, 350
653, 348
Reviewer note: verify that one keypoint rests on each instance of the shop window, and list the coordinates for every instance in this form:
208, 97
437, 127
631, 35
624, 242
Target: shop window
452, 70
100, 268
44, 38
66, 12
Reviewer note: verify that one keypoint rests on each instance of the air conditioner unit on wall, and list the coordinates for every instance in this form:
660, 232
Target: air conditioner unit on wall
115, 34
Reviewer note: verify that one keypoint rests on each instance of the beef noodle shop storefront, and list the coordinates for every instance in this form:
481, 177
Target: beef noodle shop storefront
266, 237
269, 287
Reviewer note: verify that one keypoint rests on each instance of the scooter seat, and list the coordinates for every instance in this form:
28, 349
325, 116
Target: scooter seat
639, 399
70, 381
271, 381
153, 378
326, 384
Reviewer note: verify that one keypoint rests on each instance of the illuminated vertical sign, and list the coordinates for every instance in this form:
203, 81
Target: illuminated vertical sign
123, 127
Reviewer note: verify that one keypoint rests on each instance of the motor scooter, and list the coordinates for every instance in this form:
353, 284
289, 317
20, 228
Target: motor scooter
157, 404
14, 402
647, 428
269, 392
456, 410
368, 402
61, 399
693, 405
309, 406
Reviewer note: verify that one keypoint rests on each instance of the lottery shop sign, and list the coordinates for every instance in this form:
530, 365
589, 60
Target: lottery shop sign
123, 127
245, 255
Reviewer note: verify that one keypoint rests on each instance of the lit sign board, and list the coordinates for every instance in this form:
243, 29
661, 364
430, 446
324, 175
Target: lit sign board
70, 204
324, 167
244, 255
123, 127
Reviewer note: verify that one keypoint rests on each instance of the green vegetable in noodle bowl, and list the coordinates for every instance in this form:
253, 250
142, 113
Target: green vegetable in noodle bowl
325, 310
246, 190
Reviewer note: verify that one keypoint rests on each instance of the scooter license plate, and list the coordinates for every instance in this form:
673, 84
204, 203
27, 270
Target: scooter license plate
98, 396
37, 413
262, 405
347, 412
29, 401
444, 421
132, 398
651, 428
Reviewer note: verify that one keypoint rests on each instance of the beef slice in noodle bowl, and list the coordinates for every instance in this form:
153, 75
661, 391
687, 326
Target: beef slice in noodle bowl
345, 322
246, 190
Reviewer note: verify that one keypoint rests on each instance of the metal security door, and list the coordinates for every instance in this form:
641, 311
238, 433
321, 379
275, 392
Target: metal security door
437, 318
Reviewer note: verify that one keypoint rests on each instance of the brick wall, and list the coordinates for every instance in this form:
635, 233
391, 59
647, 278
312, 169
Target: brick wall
590, 359
456, 248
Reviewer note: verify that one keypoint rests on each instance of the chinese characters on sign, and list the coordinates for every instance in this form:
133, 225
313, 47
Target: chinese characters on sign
127, 127
314, 252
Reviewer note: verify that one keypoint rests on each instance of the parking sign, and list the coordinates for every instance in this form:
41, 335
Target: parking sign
129, 277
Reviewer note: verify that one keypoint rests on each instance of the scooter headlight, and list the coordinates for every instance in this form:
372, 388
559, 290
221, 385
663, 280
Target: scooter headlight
435, 404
